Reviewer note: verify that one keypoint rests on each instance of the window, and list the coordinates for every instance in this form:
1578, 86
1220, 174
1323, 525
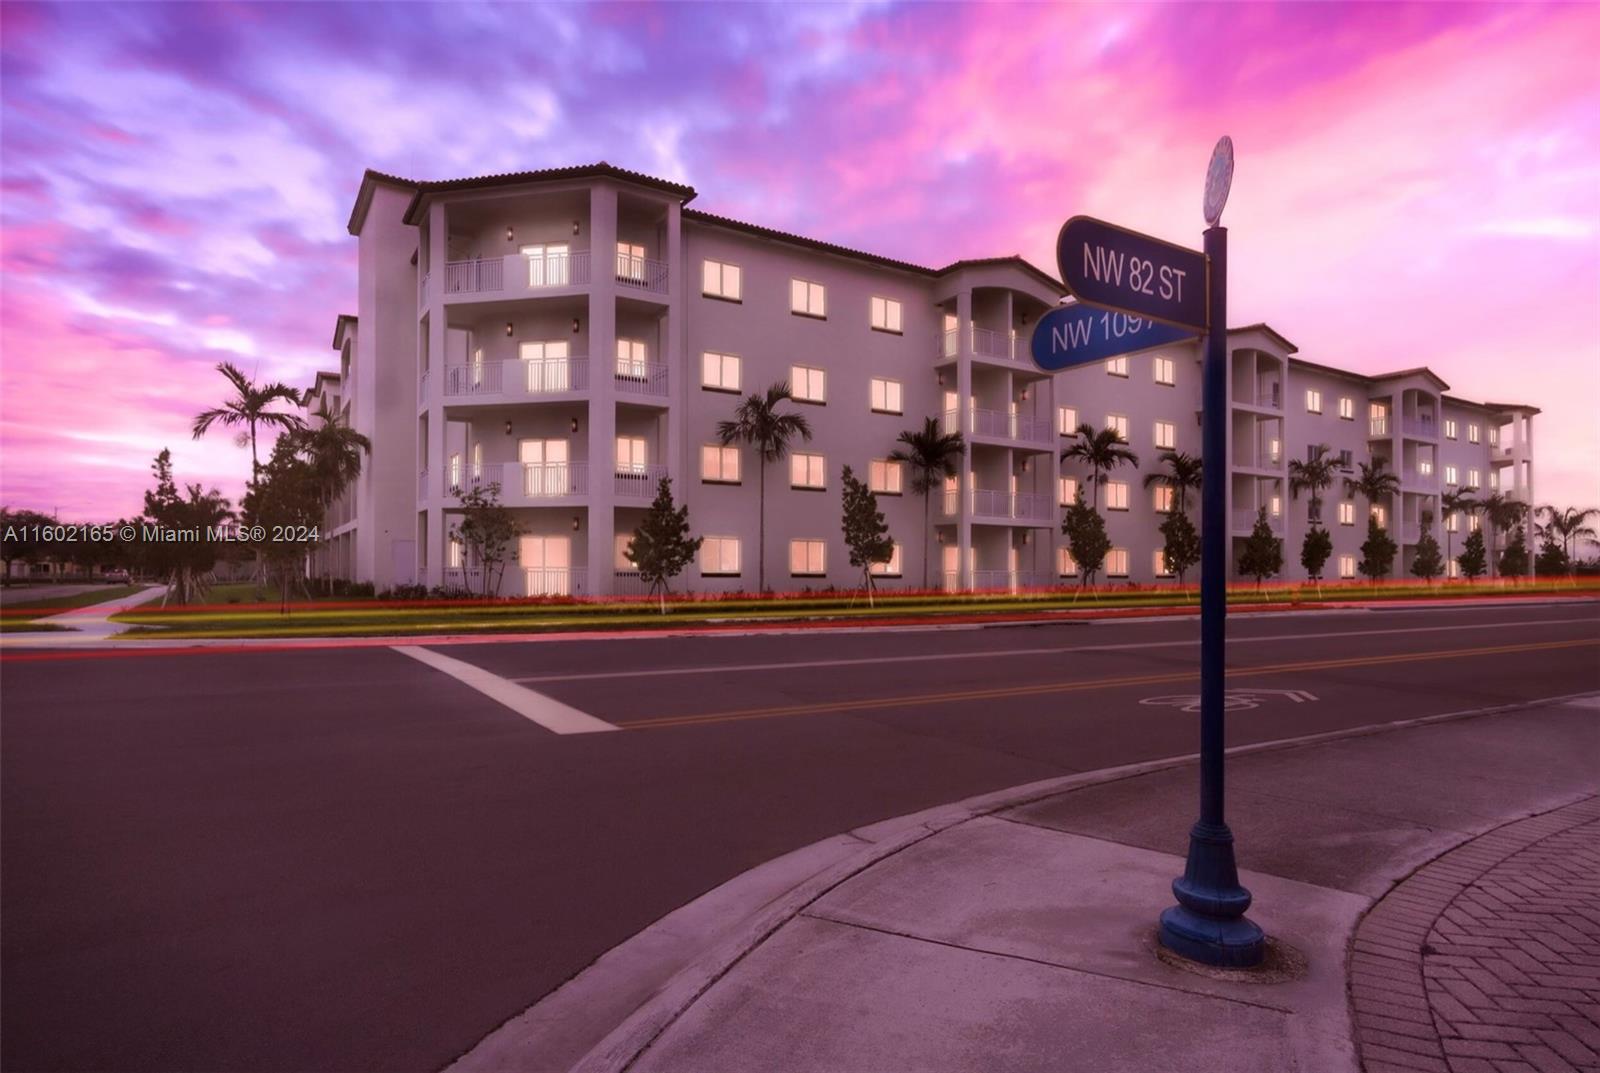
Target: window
631, 456
719, 280
1452, 569
886, 396
1347, 566
1347, 408
1164, 498
620, 553
807, 558
1475, 478
1452, 522
477, 461
719, 556
1472, 433
1166, 434
455, 469
719, 464
1116, 495
548, 266
890, 568
719, 372
1313, 401
1346, 461
807, 471
1494, 437
631, 359
1118, 422
886, 315
885, 477
1117, 366
1381, 514
1276, 508
630, 262
456, 557
1474, 523
1064, 564
1117, 562
808, 384
1160, 563
807, 299
1425, 467
1449, 428
1274, 448
1069, 491
1066, 420
1164, 371
1450, 474
1347, 512
1494, 479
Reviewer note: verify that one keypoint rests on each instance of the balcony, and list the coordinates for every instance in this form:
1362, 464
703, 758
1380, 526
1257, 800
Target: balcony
1007, 506
1244, 520
1500, 456
1378, 427
422, 485
500, 381
1004, 425
638, 482
533, 581
986, 343
644, 378
641, 273
524, 484
515, 274
1422, 427
1008, 580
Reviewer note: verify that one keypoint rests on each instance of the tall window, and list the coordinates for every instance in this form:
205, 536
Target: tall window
1117, 562
1494, 480
1160, 563
808, 558
719, 556
720, 280
1165, 372
807, 471
885, 315
1347, 408
632, 358
1117, 366
807, 299
1347, 566
1494, 437
548, 265
1452, 522
1347, 513
719, 372
1164, 498
1275, 507
886, 396
1064, 563
1449, 428
1116, 495
456, 555
1450, 474
1118, 422
890, 568
630, 262
1313, 401
1381, 514
1069, 491
808, 384
885, 477
1472, 434
1475, 478
1166, 434
631, 456
1066, 420
719, 464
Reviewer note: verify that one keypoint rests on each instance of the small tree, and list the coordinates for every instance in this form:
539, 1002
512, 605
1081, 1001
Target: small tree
285, 499
661, 546
1086, 538
1262, 556
1180, 544
1377, 551
1514, 560
185, 565
1473, 560
486, 530
1552, 560
1429, 561
865, 532
1315, 551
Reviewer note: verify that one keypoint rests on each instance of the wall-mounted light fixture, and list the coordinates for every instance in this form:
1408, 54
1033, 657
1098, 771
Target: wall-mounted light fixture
576, 324
940, 378
1024, 394
1027, 537
940, 538
508, 428
508, 328
574, 227
1026, 462
577, 522
511, 236
574, 424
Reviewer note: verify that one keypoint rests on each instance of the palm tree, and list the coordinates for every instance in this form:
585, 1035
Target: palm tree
1182, 474
1568, 526
758, 422
1102, 452
334, 451
1502, 512
1460, 501
1373, 482
249, 407
1315, 475
932, 455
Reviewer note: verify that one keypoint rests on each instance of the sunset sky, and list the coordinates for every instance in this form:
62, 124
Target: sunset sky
1416, 185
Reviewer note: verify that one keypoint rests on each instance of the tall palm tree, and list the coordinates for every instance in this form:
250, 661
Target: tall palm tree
1373, 482
250, 407
933, 455
1182, 475
758, 423
1102, 452
1315, 475
1460, 501
1502, 512
1568, 526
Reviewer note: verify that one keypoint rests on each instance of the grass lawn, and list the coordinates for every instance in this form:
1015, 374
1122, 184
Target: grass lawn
21, 618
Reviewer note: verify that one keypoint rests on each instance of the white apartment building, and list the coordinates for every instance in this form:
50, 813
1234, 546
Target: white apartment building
574, 334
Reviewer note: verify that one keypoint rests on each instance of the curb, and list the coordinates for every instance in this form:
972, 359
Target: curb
515, 1044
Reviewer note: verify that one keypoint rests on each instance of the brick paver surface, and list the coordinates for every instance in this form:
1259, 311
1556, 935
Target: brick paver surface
1487, 960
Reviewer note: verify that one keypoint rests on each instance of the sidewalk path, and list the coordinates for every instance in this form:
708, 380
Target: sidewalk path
1487, 960
90, 624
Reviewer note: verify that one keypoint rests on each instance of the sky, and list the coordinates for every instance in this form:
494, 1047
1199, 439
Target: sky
1415, 185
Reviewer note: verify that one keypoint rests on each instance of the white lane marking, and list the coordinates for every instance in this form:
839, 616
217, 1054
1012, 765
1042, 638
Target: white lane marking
535, 707
1055, 651
1591, 701
1232, 699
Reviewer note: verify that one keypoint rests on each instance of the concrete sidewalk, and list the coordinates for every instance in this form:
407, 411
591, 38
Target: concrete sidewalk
1016, 931
89, 625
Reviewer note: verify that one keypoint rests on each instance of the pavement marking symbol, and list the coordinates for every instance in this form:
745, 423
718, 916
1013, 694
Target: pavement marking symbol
1232, 699
1101, 683
535, 707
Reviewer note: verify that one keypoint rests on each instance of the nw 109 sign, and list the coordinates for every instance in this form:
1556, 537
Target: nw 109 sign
1119, 269
1080, 334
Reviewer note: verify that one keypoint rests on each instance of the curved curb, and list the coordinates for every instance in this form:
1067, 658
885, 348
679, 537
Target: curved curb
530, 1041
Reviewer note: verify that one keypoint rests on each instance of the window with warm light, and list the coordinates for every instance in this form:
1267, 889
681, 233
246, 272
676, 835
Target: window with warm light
1163, 498
1381, 515
1276, 507
885, 315
885, 477
631, 454
1119, 422
721, 280
719, 372
1166, 435
1347, 513
1116, 495
1117, 562
1494, 437
1313, 401
890, 568
1065, 566
1347, 567
1066, 420
807, 471
1452, 522
1347, 408
1450, 474
1159, 562
1117, 366
1449, 428
1472, 433
630, 262
1494, 479
719, 464
719, 556
1069, 491
1165, 371
808, 558
808, 299
1474, 523
1475, 478
808, 384
456, 556
886, 396
632, 359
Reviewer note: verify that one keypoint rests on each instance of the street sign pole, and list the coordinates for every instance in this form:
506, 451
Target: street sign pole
1208, 923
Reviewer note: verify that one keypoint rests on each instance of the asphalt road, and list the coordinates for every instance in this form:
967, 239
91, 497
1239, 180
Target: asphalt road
347, 860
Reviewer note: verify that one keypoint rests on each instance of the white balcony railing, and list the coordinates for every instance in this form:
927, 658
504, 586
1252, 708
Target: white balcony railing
642, 272
1244, 520
1022, 506
521, 482
543, 376
1378, 426
1002, 424
1012, 580
478, 276
530, 580
516, 273
551, 581
641, 378
992, 344
1270, 395
1419, 426
949, 343
638, 482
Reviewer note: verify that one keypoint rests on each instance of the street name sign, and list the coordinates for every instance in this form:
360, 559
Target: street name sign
1122, 270
1069, 336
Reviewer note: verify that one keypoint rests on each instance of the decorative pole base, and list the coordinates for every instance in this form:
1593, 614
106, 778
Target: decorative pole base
1208, 924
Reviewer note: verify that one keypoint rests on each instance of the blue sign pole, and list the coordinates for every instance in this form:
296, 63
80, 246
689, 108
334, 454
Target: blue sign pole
1208, 923
1073, 335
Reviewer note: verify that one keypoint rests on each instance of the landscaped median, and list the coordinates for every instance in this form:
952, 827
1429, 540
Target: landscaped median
376, 618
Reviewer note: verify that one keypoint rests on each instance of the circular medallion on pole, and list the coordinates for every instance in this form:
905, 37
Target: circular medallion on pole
1219, 177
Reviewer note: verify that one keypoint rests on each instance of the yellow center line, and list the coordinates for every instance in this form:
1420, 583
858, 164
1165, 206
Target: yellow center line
954, 696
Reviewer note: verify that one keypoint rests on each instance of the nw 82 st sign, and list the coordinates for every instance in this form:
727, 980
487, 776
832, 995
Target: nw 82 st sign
1115, 268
